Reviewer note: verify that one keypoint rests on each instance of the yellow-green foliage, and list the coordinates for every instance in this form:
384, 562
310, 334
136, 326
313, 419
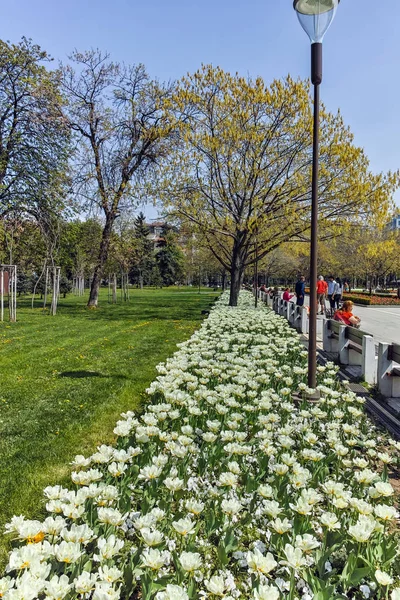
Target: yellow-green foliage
243, 166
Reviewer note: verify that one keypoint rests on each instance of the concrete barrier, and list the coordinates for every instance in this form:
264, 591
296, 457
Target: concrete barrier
389, 370
353, 348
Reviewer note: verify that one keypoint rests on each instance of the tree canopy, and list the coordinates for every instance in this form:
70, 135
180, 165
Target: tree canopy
34, 138
117, 114
243, 167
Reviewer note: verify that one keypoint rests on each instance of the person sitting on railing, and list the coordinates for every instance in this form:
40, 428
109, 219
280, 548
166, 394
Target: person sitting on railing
287, 296
345, 315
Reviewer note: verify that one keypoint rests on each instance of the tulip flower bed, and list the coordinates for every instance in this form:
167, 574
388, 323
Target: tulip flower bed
226, 487
374, 300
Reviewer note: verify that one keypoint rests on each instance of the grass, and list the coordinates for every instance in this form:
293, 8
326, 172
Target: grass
64, 380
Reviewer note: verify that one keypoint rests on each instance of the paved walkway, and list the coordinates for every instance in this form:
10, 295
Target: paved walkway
381, 322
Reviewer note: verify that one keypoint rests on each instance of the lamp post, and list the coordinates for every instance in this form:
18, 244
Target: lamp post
315, 17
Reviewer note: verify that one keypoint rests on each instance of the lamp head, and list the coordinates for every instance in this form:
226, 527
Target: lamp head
315, 16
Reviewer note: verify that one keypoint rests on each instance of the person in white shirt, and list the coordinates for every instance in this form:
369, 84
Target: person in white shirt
338, 292
331, 292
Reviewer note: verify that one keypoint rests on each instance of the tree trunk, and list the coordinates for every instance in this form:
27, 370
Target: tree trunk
236, 278
101, 261
223, 280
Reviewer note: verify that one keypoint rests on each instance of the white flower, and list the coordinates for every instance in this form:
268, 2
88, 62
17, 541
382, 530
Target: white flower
363, 529
386, 513
260, 564
107, 548
77, 533
6, 583
54, 525
80, 462
281, 526
381, 488
228, 479
306, 542
110, 516
215, 585
151, 537
190, 561
86, 477
272, 508
28, 588
383, 578
109, 574
153, 558
184, 526
85, 582
330, 521
105, 591
173, 592
294, 557
68, 552
149, 473
117, 469
195, 507
265, 491
395, 595
365, 590
174, 484
231, 507
266, 592
58, 587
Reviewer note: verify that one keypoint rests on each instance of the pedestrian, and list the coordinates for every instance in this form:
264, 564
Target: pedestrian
322, 290
275, 292
346, 287
287, 296
300, 290
338, 292
331, 292
345, 315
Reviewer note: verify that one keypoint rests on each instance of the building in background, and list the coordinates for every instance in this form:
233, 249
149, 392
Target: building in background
394, 224
156, 232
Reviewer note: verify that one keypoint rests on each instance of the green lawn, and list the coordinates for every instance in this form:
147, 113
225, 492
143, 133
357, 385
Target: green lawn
64, 380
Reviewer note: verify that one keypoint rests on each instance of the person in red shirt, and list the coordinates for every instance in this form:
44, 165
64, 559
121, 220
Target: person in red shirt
345, 315
322, 290
287, 295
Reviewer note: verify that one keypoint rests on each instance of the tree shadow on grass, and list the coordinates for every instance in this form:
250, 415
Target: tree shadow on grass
84, 374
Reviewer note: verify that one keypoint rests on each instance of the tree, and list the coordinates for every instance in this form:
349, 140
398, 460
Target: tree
378, 255
65, 286
79, 241
170, 259
118, 115
33, 133
143, 251
243, 168
281, 263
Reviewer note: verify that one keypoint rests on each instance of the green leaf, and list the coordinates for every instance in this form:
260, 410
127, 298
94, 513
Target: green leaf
358, 575
325, 594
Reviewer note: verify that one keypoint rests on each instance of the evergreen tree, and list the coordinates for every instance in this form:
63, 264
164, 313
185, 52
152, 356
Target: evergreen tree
144, 259
170, 259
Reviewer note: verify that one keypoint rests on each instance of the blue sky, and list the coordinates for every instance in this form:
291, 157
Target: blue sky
173, 37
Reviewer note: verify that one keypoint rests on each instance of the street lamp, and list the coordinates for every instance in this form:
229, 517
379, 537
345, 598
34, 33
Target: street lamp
315, 17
